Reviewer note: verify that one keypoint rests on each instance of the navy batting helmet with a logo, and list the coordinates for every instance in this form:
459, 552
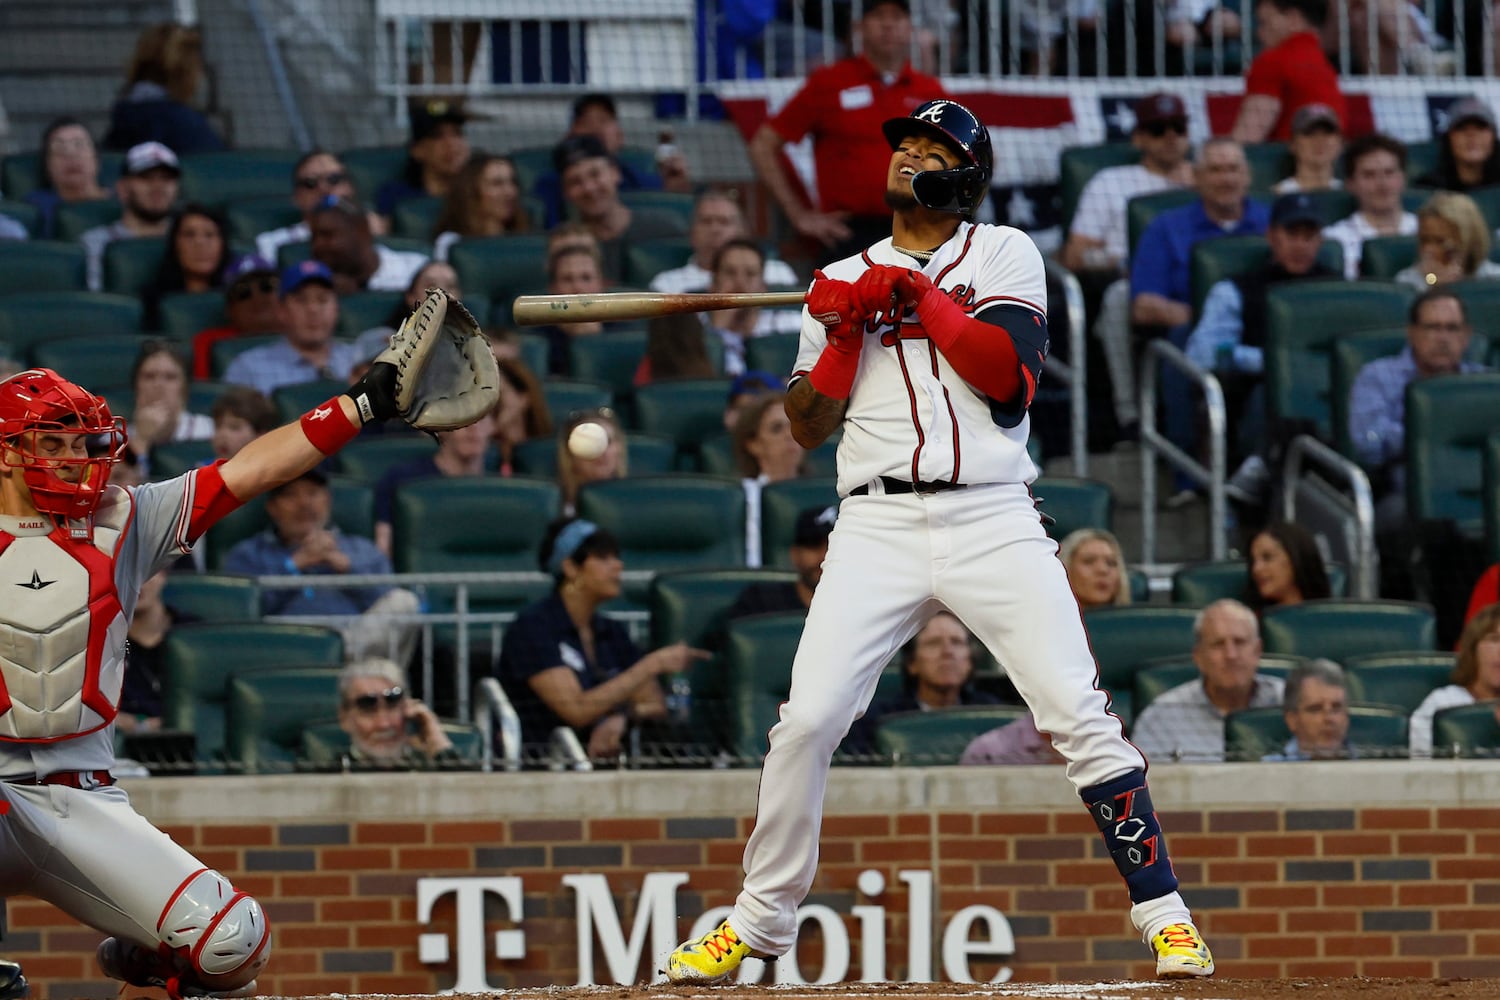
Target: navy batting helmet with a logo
962, 188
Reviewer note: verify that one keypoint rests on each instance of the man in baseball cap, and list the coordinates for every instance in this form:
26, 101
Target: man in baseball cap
435, 153
745, 387
250, 305
807, 551
1317, 140
307, 352
147, 189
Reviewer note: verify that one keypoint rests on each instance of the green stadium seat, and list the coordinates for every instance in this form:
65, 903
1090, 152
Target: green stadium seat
716, 457
361, 311
131, 266
1374, 731
21, 173
366, 459
775, 353
670, 522
1399, 679
32, 266
183, 314
1157, 677
1140, 210
415, 217
758, 669
29, 318
1078, 164
1339, 629
1269, 163
76, 218
90, 360
565, 396
1303, 319
780, 503
645, 455
1221, 259
939, 736
531, 163
203, 393
1492, 496
249, 217
1481, 299
1466, 731
202, 659
673, 202
325, 746
216, 178
121, 399
267, 713
501, 267
611, 358
1421, 158
213, 597
1351, 352
1203, 583
1488, 200
1074, 504
647, 259
534, 348
353, 513
372, 166
1382, 257
25, 213
294, 400
1448, 421
292, 253
225, 351
1125, 637
688, 411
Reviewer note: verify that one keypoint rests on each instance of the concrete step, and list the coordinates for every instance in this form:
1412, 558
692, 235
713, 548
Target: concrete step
59, 93
103, 49
18, 15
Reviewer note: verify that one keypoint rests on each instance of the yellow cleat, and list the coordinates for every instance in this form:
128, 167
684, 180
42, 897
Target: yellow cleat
1181, 953
710, 959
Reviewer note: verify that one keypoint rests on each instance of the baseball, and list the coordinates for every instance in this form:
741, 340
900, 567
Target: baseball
588, 440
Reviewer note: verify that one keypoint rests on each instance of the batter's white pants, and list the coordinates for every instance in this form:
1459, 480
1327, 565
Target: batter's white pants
892, 562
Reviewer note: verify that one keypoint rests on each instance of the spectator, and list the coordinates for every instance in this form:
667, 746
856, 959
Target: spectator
342, 239
565, 664
717, 219
573, 473
937, 671
1453, 243
590, 179
1375, 173
765, 452
1285, 568
318, 175
303, 541
1402, 39
1316, 709
389, 729
1018, 742
307, 351
1466, 153
155, 103
433, 274
841, 106
570, 235
147, 188
196, 258
1289, 73
745, 388
1317, 139
522, 413
1098, 235
739, 267
143, 691
675, 348
69, 172
460, 452
1476, 677
1096, 568
1187, 722
251, 306
572, 270
808, 550
159, 379
240, 415
485, 200
436, 152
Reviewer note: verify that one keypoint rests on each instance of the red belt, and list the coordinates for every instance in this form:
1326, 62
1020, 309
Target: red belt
72, 779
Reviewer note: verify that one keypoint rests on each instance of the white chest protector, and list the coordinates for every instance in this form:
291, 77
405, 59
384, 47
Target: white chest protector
62, 631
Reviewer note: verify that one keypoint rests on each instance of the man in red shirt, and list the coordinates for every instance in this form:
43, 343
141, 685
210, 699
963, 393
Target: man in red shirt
1290, 72
842, 106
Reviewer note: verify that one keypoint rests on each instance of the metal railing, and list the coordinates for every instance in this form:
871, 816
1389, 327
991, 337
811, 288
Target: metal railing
1358, 503
1074, 372
1153, 443
498, 724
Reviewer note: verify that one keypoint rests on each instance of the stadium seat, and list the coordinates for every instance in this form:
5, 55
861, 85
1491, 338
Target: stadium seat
415, 217
776, 353
91, 361
29, 318
938, 736
534, 348
1492, 496
780, 503
646, 455
1339, 629
1374, 731
325, 746
1157, 677
21, 173
40, 266
1481, 299
1382, 257
215, 178
131, 266
1398, 679
501, 267
1140, 210
670, 522
267, 713
688, 411
1421, 158
201, 660
531, 162
1448, 419
1220, 259
758, 670
25, 213
76, 218
565, 396
203, 393
716, 457
1488, 200
361, 311
249, 217
1124, 638
213, 597
1078, 164
294, 400
1269, 162
353, 513
647, 259
1351, 352
225, 351
1303, 319
370, 167
292, 253
1466, 731
366, 459
183, 314
1203, 583
611, 358
1073, 504
673, 202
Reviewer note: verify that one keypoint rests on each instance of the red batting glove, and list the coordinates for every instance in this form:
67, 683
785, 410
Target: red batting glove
912, 286
829, 300
874, 290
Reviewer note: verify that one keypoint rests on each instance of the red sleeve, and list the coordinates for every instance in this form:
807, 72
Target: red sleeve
1486, 592
1264, 76
211, 501
982, 353
804, 111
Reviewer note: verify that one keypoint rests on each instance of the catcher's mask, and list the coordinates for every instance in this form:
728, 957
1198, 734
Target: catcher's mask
962, 188
40, 413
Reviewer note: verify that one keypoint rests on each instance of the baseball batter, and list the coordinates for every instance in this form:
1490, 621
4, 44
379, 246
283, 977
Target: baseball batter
927, 347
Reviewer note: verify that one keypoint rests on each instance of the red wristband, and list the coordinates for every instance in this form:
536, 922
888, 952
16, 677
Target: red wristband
327, 426
833, 375
942, 318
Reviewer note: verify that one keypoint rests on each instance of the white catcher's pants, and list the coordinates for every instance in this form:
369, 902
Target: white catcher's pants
892, 562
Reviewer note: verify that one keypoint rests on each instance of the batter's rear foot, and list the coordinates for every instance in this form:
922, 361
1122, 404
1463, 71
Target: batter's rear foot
1181, 953
710, 959
137, 966
12, 983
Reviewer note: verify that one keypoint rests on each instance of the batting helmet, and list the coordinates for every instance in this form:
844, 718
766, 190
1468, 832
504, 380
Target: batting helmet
38, 402
962, 188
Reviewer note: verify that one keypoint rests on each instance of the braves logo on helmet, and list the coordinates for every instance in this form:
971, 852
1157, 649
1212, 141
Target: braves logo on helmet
39, 404
961, 188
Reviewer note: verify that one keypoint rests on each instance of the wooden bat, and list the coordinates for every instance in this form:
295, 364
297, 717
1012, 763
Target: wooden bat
532, 310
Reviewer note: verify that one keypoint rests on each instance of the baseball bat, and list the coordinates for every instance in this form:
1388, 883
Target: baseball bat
531, 310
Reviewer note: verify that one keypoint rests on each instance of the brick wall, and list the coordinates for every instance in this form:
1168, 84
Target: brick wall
1308, 889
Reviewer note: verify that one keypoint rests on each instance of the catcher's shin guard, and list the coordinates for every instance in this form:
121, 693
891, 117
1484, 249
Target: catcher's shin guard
217, 935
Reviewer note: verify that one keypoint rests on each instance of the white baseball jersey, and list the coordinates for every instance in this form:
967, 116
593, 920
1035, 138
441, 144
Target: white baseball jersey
910, 415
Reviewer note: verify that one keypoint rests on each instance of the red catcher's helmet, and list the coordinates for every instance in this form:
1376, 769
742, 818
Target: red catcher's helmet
39, 401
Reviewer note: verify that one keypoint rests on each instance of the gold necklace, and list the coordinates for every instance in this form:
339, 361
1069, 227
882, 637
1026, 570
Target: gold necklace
922, 255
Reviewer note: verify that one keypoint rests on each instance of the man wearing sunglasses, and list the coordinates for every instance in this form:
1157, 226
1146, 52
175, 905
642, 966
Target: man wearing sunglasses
316, 176
251, 296
388, 729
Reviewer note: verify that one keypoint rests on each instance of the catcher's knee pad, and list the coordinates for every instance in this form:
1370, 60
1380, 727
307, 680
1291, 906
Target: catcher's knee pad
218, 934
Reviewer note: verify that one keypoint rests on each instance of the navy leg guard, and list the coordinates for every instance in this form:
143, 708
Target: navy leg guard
1123, 812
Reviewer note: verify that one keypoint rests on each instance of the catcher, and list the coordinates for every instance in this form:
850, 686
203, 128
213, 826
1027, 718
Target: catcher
77, 551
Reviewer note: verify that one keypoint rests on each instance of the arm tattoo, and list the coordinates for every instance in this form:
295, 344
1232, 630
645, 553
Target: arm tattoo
814, 416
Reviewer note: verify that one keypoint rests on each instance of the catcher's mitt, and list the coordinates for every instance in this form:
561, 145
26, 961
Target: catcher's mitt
445, 372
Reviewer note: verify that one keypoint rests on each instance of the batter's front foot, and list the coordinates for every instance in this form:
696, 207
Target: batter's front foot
12, 984
1181, 953
710, 959
137, 966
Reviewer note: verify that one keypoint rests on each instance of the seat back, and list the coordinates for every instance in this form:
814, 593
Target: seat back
27, 214
75, 218
1339, 629
1491, 475
213, 597
647, 455
176, 457
30, 318
131, 266
1383, 257
688, 411
939, 736
1374, 731
645, 260
1466, 731
1351, 352
414, 218
97, 361
216, 178
1140, 210
249, 217
500, 267
185, 313
565, 396
1448, 420
1398, 679
674, 203
1125, 637
1220, 259
41, 266
1074, 504
1481, 299
780, 503
775, 353
267, 713
670, 522
758, 671
610, 359
367, 459
1269, 162
372, 166
362, 311
1203, 583
1077, 165
294, 400
353, 513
